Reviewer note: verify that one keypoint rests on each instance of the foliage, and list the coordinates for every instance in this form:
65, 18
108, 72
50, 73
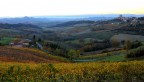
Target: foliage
94, 46
138, 52
115, 43
72, 54
131, 45
73, 72
53, 45
136, 44
128, 45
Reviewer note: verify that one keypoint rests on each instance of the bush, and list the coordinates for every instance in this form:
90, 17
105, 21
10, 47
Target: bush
136, 44
138, 52
131, 45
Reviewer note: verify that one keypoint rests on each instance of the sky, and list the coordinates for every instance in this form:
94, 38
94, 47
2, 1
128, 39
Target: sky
18, 8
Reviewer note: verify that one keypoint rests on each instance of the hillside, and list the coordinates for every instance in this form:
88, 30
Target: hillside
73, 23
20, 27
122, 37
15, 30
15, 54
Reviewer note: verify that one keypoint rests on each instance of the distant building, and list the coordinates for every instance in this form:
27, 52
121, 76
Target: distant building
20, 43
11, 44
134, 21
124, 19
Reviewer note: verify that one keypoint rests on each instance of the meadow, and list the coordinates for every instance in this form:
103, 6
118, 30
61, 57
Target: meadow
113, 56
6, 40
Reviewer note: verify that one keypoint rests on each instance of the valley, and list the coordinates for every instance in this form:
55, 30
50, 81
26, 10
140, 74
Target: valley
82, 37
72, 49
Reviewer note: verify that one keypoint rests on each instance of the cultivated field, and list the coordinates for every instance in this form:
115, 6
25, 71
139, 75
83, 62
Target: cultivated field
18, 54
73, 72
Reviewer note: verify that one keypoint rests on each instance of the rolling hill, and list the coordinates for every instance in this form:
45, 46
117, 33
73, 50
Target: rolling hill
16, 54
14, 30
73, 23
20, 27
122, 37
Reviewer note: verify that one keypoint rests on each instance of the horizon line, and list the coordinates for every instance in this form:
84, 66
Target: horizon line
67, 15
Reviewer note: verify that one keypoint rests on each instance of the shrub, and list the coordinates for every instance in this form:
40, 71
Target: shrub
131, 45
138, 52
136, 44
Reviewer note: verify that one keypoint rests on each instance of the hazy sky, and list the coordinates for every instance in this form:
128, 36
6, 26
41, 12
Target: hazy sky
13, 8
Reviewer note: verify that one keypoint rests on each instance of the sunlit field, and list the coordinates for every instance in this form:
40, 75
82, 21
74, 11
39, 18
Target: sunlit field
73, 72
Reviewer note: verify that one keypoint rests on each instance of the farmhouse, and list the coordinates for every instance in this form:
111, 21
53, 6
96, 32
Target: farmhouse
20, 43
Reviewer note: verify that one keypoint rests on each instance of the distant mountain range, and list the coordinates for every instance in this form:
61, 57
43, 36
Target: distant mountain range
51, 20
35, 19
89, 16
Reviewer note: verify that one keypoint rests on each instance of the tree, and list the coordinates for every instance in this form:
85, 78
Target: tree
58, 51
128, 45
34, 41
39, 40
78, 53
34, 37
136, 44
71, 54
115, 43
133, 53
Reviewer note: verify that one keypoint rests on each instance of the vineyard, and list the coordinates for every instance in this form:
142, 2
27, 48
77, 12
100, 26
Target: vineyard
132, 71
29, 55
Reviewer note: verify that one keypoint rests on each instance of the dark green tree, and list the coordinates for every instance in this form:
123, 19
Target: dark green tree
39, 40
34, 38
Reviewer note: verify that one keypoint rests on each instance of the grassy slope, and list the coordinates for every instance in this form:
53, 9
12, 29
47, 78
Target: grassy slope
91, 56
6, 40
114, 56
96, 35
15, 54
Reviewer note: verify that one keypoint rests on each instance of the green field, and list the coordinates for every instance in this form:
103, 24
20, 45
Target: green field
6, 40
114, 58
96, 35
